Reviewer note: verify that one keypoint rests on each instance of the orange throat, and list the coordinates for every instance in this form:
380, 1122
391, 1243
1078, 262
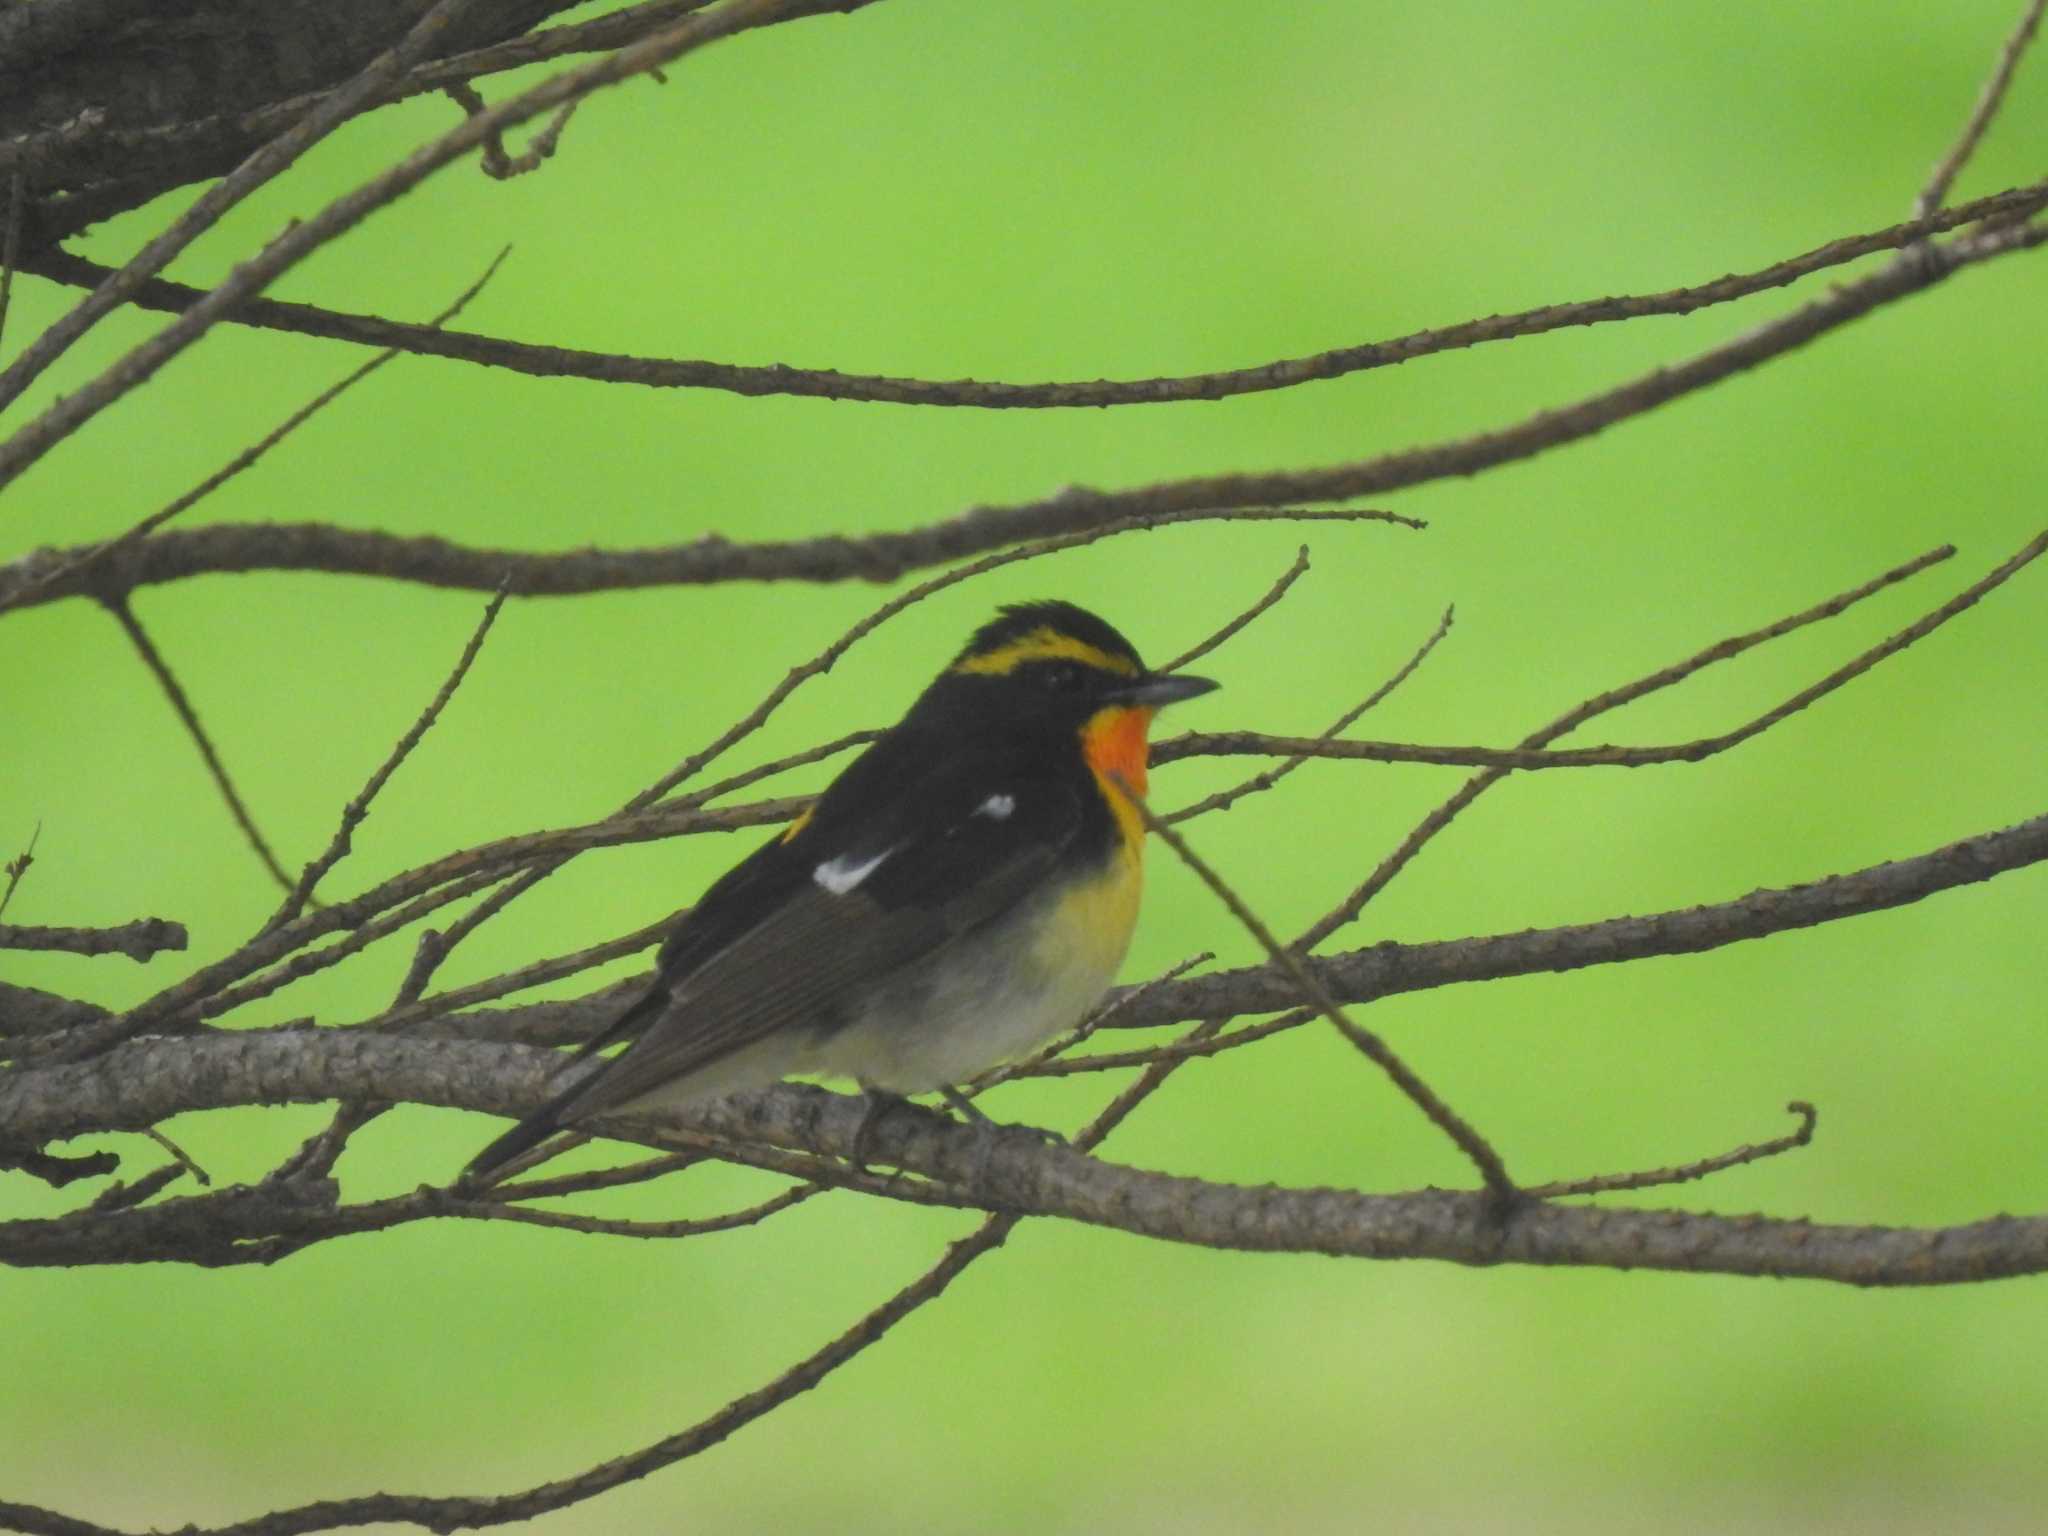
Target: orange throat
1113, 741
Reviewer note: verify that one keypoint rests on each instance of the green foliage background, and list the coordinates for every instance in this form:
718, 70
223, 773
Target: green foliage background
1049, 189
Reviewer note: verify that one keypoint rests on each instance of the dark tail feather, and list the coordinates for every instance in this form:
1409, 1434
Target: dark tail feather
530, 1132
545, 1121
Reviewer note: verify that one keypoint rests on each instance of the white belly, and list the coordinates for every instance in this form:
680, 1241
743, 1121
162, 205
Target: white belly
994, 994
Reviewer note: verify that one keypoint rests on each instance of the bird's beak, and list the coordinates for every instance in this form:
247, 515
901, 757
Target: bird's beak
1159, 689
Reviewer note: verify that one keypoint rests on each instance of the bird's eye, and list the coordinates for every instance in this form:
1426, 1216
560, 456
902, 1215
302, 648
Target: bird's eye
1066, 677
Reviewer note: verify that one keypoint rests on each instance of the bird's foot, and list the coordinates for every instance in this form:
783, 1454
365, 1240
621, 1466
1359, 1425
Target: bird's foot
880, 1102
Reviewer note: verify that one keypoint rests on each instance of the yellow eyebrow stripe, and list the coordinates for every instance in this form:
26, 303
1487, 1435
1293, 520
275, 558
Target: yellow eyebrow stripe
1045, 645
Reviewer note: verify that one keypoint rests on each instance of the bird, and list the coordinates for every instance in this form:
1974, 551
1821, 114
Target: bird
961, 893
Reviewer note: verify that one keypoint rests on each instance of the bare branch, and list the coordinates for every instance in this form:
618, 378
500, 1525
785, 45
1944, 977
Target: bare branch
543, 361
10, 243
25, 1012
18, 866
1434, 823
72, 567
1686, 1173
55, 1169
353, 813
1266, 778
31, 441
984, 527
181, 704
1989, 99
430, 885
1361, 975
1440, 1114
43, 576
141, 941
1278, 590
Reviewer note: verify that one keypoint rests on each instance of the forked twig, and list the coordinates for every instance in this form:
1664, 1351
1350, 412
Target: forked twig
189, 718
353, 813
1989, 99
74, 567
1469, 1141
1266, 778
1347, 910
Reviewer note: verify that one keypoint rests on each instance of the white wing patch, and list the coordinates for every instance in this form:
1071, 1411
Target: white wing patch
842, 874
997, 807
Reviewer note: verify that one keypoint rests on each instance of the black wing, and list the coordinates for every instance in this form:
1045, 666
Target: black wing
869, 885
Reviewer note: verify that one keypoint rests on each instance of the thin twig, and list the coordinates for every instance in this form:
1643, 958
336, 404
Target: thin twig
189, 717
1469, 1141
72, 567
126, 1196
1178, 1050
18, 866
538, 973
178, 1155
1105, 1013
1278, 590
1686, 1173
404, 899
1265, 779
1424, 831
499, 165
623, 1176
1989, 98
1252, 743
353, 813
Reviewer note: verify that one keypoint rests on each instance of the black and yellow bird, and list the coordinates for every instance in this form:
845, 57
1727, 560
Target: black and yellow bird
964, 891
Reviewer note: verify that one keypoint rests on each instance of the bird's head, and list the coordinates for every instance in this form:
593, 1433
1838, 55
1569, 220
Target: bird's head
1050, 668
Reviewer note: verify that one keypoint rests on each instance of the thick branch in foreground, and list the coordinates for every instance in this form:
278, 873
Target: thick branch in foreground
144, 1081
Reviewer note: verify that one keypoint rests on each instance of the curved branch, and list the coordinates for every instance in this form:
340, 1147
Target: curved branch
41, 577
885, 556
549, 362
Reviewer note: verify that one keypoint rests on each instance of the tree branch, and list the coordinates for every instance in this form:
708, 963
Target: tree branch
542, 361
140, 941
144, 1081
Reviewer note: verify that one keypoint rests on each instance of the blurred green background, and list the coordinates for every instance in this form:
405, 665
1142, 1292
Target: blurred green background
1049, 189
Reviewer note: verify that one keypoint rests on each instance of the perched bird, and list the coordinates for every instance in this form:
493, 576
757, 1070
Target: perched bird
964, 891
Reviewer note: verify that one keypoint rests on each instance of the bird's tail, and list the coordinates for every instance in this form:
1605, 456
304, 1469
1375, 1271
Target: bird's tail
530, 1132
549, 1118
